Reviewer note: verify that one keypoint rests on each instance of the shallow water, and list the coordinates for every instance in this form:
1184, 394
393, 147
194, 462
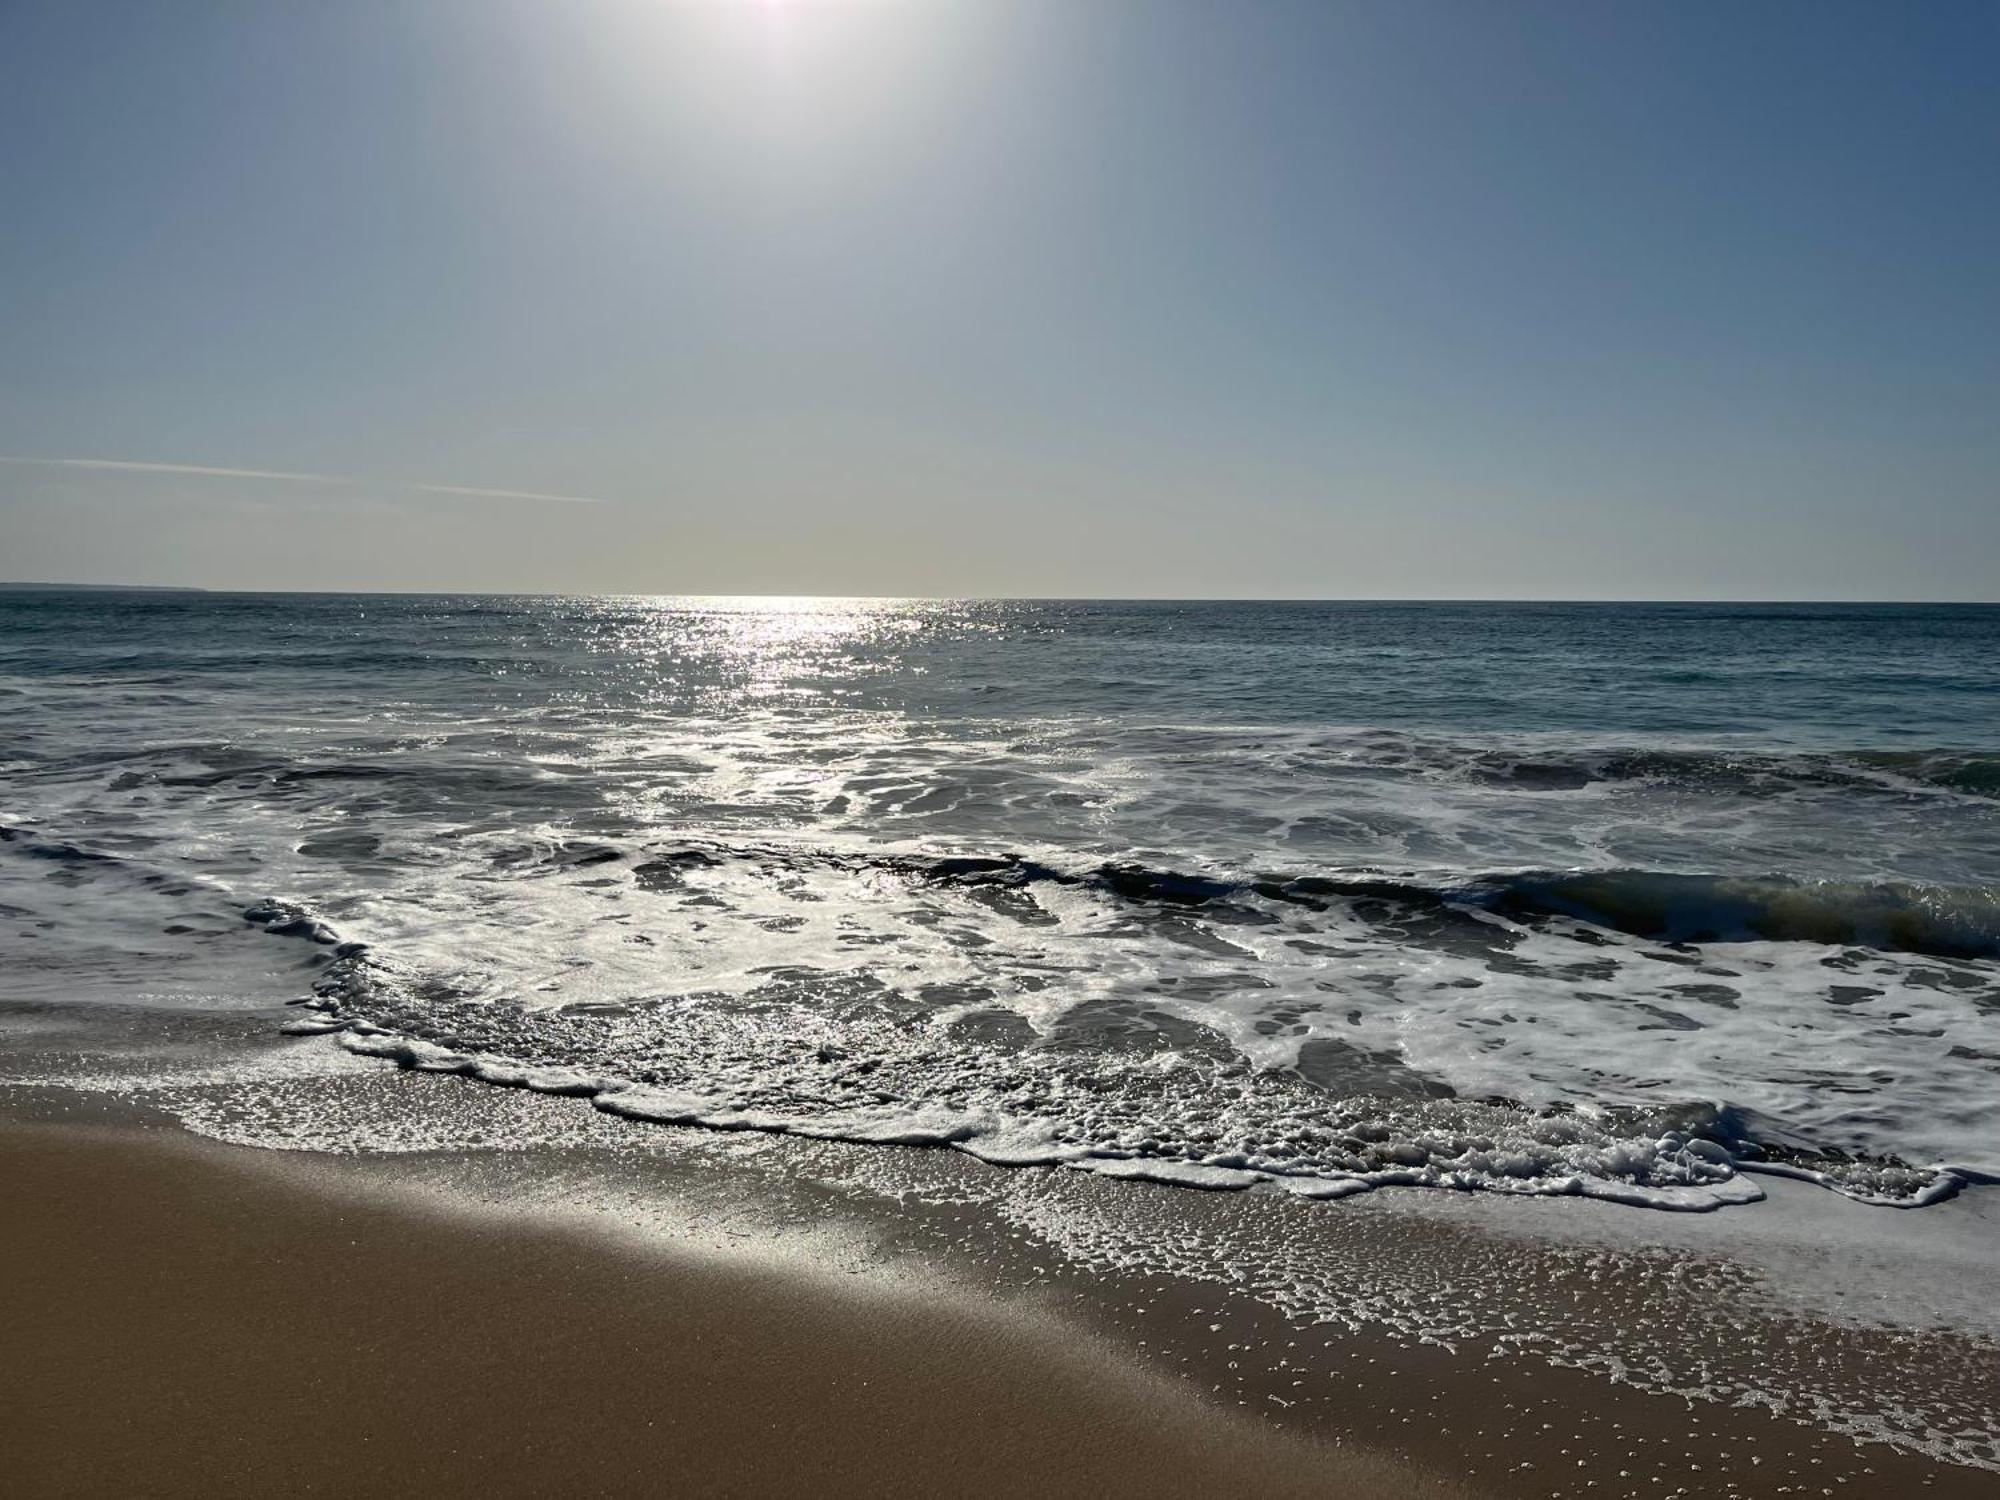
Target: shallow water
1611, 900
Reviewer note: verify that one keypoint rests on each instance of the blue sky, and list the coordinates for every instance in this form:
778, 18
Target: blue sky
1030, 297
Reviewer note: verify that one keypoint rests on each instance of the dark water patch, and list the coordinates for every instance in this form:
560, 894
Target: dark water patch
1885, 773
346, 771
1343, 1071
1670, 1020
1943, 922
1119, 1027
669, 871
1720, 995
351, 844
1003, 1030
57, 851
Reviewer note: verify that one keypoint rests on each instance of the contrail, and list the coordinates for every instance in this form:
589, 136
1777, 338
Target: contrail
211, 471
467, 489
138, 468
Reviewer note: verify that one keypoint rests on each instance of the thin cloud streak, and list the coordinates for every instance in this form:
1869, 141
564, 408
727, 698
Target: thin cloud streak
130, 467
466, 489
210, 471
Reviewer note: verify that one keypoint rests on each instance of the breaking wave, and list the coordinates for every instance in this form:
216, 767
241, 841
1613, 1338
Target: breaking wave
1961, 922
1145, 1093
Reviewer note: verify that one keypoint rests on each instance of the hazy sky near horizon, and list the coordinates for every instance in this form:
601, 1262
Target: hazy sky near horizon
1101, 297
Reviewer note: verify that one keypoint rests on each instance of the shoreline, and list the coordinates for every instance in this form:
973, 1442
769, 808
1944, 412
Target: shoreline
785, 1333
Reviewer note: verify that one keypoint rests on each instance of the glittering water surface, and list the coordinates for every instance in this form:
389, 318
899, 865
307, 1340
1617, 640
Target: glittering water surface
1617, 900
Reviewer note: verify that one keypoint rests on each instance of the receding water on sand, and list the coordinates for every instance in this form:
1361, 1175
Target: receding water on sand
1791, 1338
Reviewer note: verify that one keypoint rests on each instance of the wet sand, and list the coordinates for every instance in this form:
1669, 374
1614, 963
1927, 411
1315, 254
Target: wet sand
385, 1307
185, 1318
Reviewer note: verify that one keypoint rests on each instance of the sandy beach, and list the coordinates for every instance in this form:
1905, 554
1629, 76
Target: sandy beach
192, 1317
189, 1319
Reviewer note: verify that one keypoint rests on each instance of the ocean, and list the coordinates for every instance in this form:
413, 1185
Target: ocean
1639, 902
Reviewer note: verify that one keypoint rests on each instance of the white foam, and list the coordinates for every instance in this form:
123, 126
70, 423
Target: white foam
485, 901
1360, 1144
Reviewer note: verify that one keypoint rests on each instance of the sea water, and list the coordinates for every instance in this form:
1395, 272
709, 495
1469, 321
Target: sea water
1630, 901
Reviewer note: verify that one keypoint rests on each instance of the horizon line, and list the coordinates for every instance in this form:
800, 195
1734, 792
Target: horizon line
25, 585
